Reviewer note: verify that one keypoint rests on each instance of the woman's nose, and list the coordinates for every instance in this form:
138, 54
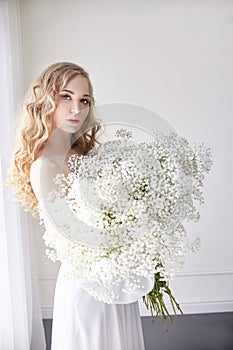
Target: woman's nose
75, 108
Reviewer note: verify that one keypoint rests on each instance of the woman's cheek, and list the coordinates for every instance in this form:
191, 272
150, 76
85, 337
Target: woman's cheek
84, 114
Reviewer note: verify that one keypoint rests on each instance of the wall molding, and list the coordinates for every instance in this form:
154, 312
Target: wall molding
204, 273
52, 277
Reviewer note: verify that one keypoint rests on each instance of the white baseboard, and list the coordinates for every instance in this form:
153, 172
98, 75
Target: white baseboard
47, 312
202, 307
213, 306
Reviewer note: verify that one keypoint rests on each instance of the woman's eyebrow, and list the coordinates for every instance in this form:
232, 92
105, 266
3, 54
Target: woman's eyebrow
66, 90
72, 92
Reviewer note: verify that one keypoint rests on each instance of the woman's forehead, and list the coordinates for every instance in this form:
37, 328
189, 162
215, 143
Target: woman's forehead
76, 85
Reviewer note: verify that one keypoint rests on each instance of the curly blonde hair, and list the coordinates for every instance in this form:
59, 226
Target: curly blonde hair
35, 127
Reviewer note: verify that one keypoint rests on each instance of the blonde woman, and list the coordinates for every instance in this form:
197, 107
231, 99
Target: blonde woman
58, 110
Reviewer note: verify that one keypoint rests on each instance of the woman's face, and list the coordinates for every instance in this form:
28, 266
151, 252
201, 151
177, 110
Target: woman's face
73, 103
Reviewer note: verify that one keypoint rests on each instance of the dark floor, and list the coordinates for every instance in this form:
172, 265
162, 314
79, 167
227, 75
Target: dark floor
188, 332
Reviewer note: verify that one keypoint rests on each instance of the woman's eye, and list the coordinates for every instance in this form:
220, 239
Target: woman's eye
66, 97
85, 101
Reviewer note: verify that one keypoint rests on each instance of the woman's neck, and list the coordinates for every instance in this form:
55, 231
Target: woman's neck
58, 144
58, 150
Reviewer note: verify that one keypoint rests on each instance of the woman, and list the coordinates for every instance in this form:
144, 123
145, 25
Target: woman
58, 121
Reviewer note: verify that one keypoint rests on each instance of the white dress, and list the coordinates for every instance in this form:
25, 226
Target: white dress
80, 322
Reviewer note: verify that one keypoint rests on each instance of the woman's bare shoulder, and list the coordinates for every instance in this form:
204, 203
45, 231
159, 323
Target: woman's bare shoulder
43, 159
42, 174
46, 163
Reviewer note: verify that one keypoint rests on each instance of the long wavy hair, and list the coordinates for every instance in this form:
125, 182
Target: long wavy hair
35, 126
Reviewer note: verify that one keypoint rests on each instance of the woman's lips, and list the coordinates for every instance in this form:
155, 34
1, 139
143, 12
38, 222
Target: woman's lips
73, 121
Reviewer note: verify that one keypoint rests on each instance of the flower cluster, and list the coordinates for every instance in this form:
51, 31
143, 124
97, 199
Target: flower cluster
126, 205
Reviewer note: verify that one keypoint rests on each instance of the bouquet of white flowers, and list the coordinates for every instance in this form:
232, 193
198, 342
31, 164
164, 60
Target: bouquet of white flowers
127, 203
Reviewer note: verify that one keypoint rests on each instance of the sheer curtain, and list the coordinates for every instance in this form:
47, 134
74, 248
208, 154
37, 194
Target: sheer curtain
21, 324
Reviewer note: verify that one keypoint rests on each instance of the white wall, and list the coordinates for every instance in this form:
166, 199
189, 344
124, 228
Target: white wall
174, 57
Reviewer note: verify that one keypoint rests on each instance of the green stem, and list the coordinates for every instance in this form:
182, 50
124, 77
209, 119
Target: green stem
154, 300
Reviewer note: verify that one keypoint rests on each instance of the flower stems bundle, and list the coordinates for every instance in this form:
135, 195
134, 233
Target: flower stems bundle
154, 300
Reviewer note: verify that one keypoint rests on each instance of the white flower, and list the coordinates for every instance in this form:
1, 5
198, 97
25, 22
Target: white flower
125, 207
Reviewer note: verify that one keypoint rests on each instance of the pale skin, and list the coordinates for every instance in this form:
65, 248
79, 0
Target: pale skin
72, 105
72, 109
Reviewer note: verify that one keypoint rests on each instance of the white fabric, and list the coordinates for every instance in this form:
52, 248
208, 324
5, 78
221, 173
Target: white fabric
21, 325
79, 320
